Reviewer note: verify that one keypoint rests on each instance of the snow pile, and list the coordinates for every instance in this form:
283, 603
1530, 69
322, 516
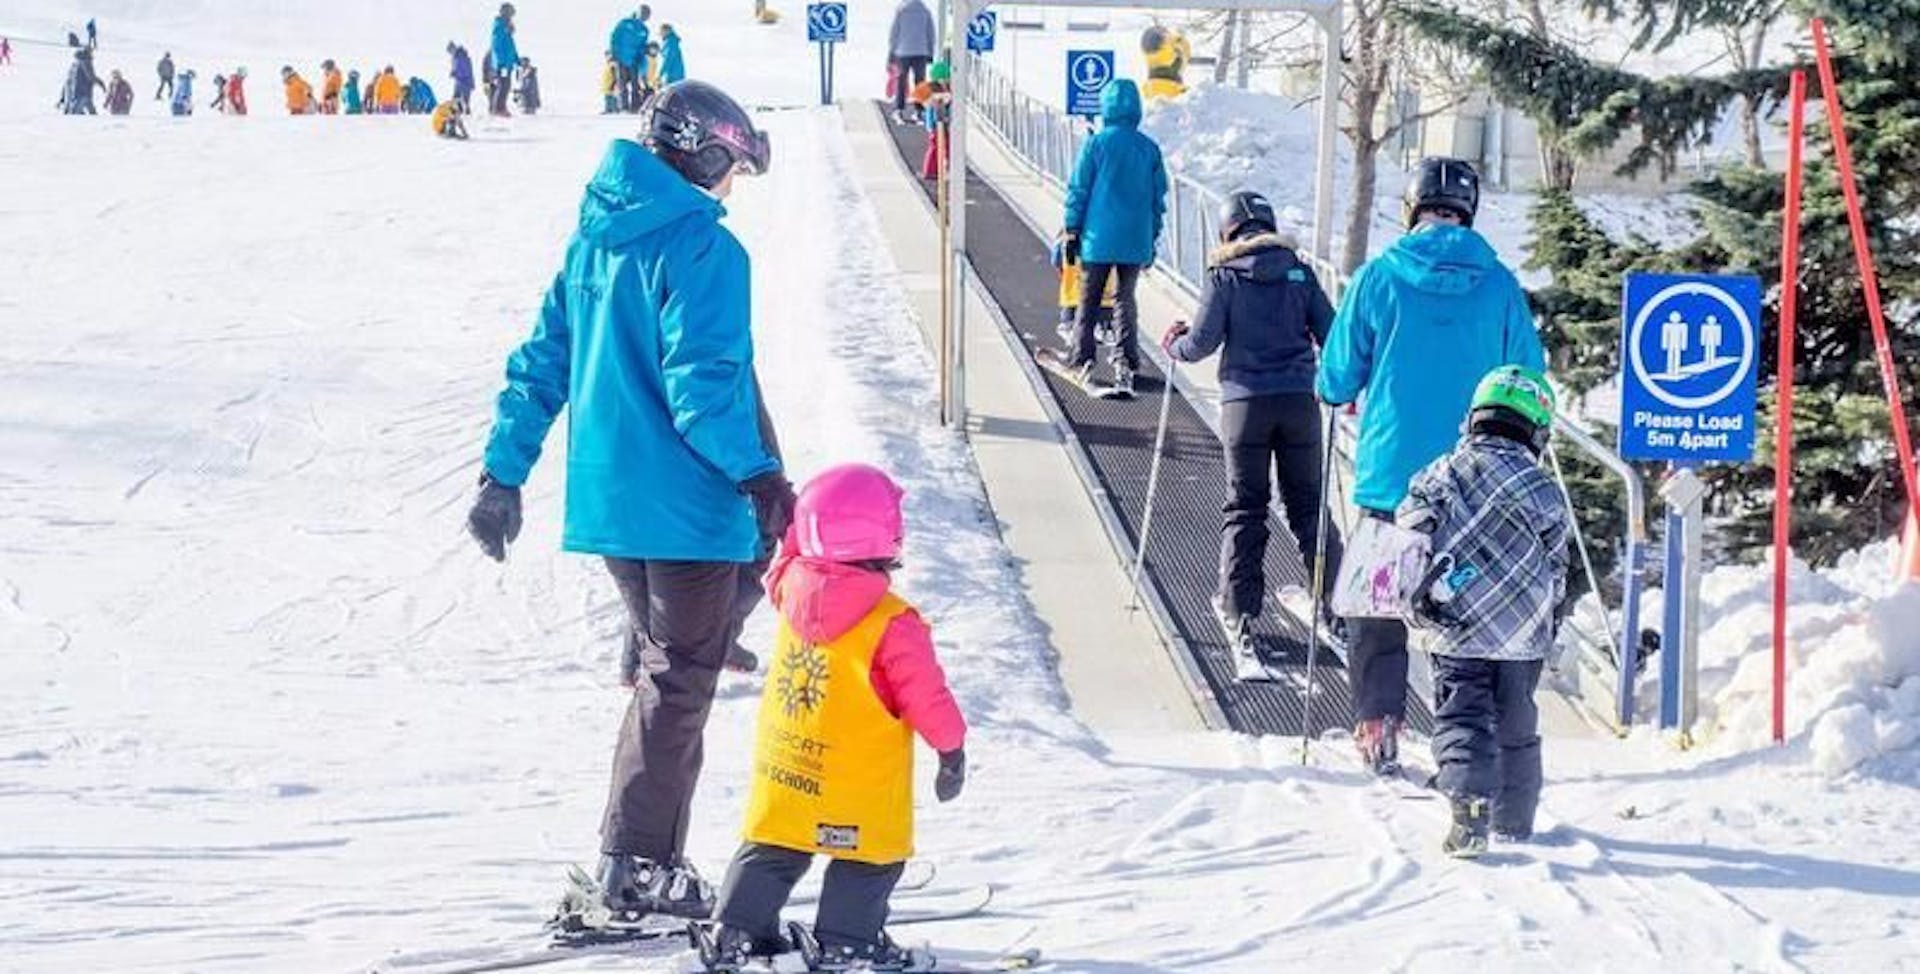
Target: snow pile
1228, 140
1853, 667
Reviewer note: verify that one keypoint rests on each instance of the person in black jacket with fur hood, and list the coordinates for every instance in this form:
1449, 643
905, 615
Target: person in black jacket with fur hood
1269, 312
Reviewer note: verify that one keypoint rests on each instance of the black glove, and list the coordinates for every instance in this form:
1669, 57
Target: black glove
773, 502
495, 518
1070, 247
953, 775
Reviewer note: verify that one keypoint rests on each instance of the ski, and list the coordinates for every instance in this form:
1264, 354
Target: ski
652, 942
920, 960
1056, 363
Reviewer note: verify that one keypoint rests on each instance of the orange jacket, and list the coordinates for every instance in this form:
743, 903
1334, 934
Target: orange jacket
443, 115
386, 91
331, 84
299, 95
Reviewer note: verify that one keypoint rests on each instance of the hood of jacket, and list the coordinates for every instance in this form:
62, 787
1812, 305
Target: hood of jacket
1261, 257
822, 600
1442, 259
1120, 104
634, 194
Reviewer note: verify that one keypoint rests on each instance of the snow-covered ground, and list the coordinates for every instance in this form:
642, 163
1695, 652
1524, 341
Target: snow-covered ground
263, 707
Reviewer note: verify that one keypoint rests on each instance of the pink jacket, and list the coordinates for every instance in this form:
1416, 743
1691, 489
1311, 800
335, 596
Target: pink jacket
821, 600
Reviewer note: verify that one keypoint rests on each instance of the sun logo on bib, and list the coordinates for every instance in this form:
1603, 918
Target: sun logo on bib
803, 679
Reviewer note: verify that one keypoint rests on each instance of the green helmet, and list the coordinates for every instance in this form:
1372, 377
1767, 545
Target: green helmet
941, 73
1520, 390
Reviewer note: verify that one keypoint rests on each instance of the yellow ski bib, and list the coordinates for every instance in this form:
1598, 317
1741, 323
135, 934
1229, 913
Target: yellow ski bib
833, 770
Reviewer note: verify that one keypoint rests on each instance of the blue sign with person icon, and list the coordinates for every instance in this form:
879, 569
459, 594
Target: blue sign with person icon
1088, 74
1689, 367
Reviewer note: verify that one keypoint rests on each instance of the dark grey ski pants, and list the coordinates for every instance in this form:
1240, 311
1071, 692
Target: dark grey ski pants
853, 900
1377, 662
1269, 437
1486, 735
1126, 314
685, 615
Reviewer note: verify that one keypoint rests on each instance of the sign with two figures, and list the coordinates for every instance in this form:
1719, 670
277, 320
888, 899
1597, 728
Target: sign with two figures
1689, 367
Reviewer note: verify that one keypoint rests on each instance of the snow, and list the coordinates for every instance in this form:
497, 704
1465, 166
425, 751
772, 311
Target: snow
264, 707
1853, 664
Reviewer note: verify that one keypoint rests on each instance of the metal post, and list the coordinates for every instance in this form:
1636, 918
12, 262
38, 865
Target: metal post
962, 13
1695, 540
1333, 24
1679, 670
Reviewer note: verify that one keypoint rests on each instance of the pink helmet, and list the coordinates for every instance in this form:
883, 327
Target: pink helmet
850, 513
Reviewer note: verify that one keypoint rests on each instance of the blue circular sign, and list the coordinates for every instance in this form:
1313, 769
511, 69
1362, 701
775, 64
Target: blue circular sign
1691, 345
1090, 72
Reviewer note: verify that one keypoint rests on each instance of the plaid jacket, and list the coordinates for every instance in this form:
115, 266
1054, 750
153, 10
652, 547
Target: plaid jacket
1499, 526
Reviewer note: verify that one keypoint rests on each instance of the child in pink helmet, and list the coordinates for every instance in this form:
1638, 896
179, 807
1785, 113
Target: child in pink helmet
853, 679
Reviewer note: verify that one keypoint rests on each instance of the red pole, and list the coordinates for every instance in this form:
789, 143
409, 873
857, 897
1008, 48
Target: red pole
1863, 255
1783, 387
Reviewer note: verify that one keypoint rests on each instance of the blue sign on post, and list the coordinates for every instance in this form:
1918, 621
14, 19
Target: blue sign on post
1689, 367
827, 23
981, 31
1088, 74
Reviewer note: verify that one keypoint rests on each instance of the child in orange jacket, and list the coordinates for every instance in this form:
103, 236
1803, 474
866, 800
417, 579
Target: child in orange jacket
299, 93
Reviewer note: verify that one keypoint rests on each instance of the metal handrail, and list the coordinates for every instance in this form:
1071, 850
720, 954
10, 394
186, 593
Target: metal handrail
1048, 141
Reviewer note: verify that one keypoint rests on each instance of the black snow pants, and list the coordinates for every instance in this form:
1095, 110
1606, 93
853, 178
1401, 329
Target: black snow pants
1486, 735
1377, 661
853, 901
914, 67
685, 616
1280, 433
501, 92
166, 88
1126, 314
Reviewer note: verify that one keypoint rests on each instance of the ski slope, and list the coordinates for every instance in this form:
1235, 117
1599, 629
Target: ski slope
264, 707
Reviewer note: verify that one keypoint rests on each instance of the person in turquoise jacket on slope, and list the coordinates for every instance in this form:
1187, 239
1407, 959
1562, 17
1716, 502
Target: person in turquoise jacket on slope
1417, 328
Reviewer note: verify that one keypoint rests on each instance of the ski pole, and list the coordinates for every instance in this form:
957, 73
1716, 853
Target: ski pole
1318, 582
1153, 482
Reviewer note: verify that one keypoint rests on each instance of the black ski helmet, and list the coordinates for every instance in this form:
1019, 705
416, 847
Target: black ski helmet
703, 133
1246, 209
1442, 184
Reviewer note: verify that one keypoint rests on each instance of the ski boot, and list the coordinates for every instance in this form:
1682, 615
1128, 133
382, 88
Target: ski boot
1379, 742
635, 888
881, 956
1248, 667
1122, 387
727, 950
1105, 332
1080, 376
740, 659
1467, 839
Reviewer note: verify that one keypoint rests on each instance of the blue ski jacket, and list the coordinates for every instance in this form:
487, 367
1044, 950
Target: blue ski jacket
1417, 329
506, 54
1117, 198
644, 334
673, 65
462, 72
629, 42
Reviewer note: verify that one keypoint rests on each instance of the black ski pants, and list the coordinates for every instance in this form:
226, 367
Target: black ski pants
853, 899
913, 70
1377, 661
684, 616
1279, 433
501, 92
165, 89
1486, 735
1126, 314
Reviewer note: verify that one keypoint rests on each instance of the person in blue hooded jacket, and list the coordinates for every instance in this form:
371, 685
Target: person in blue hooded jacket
629, 46
1116, 203
462, 75
1418, 327
505, 54
673, 472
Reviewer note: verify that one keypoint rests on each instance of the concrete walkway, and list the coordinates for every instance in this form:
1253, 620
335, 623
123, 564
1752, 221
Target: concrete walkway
1116, 668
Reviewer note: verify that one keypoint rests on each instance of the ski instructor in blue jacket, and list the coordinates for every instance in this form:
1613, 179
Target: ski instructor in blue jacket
505, 53
1418, 327
673, 475
1116, 204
